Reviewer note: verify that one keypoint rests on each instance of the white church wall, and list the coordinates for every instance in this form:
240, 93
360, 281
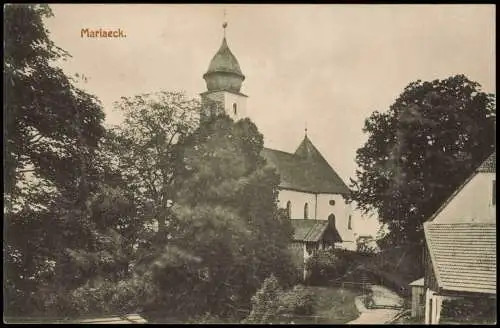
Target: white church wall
340, 209
228, 99
240, 101
342, 212
320, 208
298, 200
474, 202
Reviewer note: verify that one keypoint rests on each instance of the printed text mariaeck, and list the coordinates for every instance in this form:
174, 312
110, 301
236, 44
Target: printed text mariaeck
102, 33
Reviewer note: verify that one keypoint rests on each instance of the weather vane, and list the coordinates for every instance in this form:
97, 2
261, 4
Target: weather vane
224, 24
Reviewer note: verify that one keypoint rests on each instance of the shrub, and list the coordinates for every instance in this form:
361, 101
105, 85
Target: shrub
366, 245
271, 302
265, 302
469, 310
299, 301
325, 266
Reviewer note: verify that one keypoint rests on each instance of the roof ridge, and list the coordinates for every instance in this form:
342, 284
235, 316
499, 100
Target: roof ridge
306, 175
485, 165
280, 151
431, 253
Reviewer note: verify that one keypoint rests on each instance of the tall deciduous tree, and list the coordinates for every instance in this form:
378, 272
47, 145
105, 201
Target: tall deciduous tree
52, 133
145, 148
420, 150
227, 234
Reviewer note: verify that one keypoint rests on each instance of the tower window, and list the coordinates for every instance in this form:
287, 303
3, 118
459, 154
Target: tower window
349, 223
235, 109
306, 211
289, 209
332, 202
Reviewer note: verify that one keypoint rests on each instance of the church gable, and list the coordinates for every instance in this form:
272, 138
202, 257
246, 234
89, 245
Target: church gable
474, 200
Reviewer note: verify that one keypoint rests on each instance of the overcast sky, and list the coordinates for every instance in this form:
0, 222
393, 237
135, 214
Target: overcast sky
327, 65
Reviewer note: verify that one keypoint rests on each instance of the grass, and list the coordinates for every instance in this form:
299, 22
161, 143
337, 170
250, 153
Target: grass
334, 305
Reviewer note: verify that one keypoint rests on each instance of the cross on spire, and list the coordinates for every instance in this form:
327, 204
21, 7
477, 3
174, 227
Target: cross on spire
224, 24
306, 129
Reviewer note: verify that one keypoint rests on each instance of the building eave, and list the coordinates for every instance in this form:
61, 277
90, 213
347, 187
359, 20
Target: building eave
225, 90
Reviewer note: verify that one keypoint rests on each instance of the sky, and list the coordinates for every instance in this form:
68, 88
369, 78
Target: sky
327, 67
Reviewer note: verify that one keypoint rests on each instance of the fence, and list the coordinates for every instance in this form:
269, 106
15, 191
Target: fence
301, 319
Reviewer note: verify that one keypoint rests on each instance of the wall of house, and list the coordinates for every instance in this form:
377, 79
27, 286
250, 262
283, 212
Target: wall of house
433, 306
347, 245
417, 301
297, 251
473, 202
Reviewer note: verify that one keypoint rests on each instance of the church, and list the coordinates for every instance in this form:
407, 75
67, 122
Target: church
310, 190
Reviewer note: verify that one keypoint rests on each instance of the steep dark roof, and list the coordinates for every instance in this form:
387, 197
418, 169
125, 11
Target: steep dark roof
489, 165
224, 61
463, 255
306, 170
417, 283
313, 230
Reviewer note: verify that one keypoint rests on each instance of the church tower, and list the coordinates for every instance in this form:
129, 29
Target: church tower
224, 79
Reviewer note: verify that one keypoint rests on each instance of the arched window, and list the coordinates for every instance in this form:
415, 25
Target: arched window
235, 109
306, 211
349, 223
331, 219
289, 209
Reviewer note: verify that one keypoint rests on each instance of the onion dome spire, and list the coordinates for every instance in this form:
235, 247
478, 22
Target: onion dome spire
224, 72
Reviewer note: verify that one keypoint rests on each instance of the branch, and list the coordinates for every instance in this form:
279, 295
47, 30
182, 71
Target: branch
35, 138
25, 171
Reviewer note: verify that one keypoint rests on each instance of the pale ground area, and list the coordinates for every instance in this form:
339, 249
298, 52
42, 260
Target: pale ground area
381, 297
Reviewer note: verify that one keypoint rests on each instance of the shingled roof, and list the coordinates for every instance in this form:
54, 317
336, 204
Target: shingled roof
306, 170
313, 230
463, 256
224, 61
489, 165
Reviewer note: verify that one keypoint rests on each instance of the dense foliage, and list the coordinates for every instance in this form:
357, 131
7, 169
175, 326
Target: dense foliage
420, 150
326, 266
470, 310
52, 169
226, 221
366, 245
273, 304
163, 212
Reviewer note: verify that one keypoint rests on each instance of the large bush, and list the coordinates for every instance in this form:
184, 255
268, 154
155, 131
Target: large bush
271, 303
469, 310
326, 265
298, 301
265, 303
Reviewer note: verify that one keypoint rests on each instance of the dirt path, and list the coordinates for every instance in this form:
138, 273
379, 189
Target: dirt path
382, 297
